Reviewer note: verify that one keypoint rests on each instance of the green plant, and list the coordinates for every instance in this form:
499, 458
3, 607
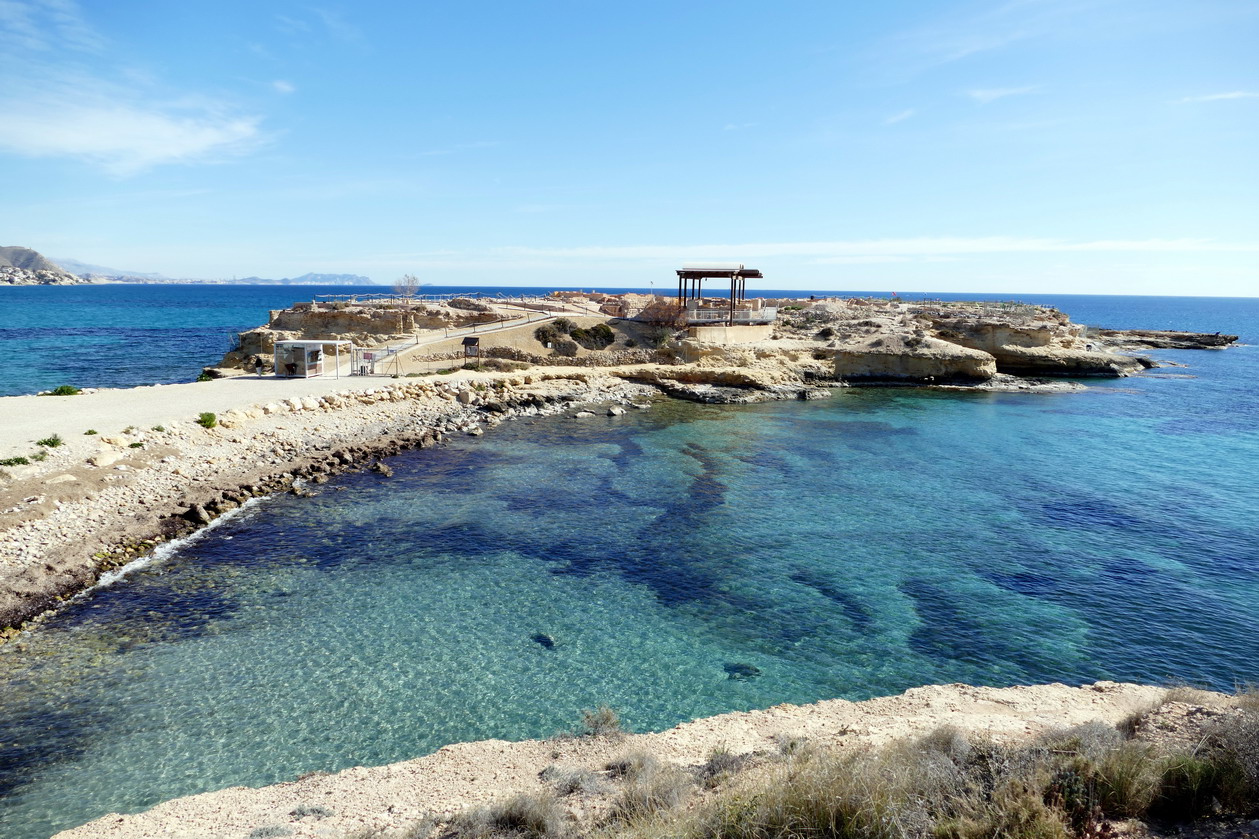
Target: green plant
50, 442
15, 461
205, 377
135, 445
207, 420
64, 390
159, 428
89, 432
39, 456
129, 429
598, 337
563, 325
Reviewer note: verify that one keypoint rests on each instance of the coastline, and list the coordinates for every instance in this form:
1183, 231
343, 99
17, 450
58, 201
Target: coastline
381, 800
101, 501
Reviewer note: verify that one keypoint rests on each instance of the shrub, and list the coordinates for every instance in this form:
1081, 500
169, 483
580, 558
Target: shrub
563, 325
135, 445
650, 792
528, 816
571, 781
207, 420
632, 765
89, 432
598, 337
39, 456
564, 347
50, 442
205, 377
546, 334
64, 390
159, 428
15, 461
601, 722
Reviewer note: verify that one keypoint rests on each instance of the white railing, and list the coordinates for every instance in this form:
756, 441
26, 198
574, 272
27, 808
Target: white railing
766, 315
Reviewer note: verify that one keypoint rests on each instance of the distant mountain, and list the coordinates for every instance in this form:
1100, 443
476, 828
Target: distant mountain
23, 266
311, 279
84, 269
101, 272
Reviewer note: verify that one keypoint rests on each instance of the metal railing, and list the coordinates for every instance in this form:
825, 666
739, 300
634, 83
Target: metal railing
740, 316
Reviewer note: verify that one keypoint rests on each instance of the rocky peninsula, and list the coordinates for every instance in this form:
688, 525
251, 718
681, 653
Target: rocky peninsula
94, 480
99, 479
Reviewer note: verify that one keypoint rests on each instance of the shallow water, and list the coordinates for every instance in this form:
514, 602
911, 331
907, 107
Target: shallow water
849, 547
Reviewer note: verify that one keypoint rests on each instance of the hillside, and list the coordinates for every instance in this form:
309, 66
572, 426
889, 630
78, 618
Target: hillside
23, 266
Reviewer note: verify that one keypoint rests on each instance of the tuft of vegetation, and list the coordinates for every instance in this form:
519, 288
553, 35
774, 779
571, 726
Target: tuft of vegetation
536, 816
270, 831
303, 811
39, 456
158, 428
563, 325
50, 442
205, 377
564, 347
572, 781
64, 390
601, 722
15, 461
135, 445
90, 432
207, 420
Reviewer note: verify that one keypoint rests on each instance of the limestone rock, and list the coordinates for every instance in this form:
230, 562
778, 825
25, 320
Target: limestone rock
898, 357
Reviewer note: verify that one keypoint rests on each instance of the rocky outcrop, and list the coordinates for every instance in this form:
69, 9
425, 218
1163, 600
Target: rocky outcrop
1061, 361
1037, 347
911, 358
1164, 339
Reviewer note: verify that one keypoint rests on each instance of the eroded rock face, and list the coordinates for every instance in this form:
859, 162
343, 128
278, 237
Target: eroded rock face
911, 358
1061, 361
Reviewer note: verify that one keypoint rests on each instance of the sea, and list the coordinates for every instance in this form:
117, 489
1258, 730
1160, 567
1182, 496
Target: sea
681, 562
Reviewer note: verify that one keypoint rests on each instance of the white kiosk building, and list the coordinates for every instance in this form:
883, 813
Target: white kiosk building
307, 359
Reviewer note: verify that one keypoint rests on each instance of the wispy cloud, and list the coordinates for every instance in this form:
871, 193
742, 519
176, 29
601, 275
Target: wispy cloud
118, 118
282, 86
900, 117
986, 95
123, 138
1216, 97
45, 26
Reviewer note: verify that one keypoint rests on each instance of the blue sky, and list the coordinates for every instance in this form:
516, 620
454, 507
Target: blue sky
1073, 146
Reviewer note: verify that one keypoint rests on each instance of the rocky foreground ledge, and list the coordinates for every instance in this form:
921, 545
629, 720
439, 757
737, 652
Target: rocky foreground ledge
418, 797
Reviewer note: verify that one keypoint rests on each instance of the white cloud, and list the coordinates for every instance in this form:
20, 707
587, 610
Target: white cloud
117, 117
1216, 97
901, 117
281, 86
124, 138
44, 26
986, 95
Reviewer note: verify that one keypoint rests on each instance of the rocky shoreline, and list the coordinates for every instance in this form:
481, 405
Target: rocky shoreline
70, 519
421, 797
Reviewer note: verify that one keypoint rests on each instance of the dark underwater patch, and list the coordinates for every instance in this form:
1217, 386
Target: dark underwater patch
853, 609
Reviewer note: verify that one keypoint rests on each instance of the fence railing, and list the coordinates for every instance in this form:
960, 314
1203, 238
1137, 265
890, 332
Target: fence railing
766, 315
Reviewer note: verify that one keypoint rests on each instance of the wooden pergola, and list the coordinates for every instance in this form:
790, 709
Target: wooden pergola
691, 278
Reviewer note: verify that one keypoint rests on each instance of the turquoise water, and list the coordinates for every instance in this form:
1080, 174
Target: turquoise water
849, 547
